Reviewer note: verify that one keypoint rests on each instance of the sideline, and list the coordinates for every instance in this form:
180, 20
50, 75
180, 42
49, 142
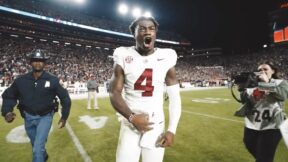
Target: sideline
103, 95
80, 96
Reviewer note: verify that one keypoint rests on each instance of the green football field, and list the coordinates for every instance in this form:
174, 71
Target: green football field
207, 132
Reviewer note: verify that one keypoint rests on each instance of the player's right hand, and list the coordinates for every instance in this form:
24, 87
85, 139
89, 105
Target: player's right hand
141, 123
9, 117
167, 139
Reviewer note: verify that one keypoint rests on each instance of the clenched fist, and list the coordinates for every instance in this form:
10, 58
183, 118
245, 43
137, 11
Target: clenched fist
9, 117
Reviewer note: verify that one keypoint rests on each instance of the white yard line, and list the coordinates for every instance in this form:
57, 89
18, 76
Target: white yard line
78, 145
211, 116
76, 142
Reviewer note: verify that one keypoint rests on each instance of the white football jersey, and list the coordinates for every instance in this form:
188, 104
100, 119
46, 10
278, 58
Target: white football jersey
145, 78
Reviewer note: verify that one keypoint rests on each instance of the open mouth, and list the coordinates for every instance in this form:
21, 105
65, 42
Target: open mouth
147, 41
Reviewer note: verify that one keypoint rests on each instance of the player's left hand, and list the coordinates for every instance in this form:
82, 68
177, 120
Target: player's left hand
168, 139
61, 123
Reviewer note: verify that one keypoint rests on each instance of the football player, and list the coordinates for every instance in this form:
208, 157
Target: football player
141, 71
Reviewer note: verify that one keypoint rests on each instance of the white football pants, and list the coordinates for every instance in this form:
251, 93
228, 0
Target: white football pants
129, 149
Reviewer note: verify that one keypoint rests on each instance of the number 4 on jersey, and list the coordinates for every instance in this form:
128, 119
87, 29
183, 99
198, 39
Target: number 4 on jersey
148, 88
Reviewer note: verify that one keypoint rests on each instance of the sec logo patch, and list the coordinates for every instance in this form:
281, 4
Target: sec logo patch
128, 59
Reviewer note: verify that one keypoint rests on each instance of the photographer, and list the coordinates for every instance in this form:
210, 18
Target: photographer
264, 112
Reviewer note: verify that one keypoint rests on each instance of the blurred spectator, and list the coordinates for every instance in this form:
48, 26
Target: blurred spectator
92, 92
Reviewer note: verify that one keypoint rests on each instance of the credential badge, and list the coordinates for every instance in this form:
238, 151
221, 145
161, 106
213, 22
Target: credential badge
47, 84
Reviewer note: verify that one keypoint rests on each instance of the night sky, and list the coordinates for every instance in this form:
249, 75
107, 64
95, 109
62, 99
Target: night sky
205, 23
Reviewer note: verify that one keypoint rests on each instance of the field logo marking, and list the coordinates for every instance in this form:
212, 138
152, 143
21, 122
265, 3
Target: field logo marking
210, 100
94, 122
18, 135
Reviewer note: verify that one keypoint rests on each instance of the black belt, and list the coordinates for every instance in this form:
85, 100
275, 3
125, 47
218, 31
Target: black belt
31, 112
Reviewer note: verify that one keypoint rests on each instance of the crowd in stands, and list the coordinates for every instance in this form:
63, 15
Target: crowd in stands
76, 64
69, 63
50, 9
224, 67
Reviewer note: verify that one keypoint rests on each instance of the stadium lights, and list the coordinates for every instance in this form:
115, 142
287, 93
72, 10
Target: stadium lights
147, 14
7, 9
123, 9
79, 1
136, 12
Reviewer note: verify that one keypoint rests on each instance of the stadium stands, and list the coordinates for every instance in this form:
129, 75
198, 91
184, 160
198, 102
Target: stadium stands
69, 14
75, 53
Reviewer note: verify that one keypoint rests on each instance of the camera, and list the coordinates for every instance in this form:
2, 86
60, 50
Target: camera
246, 79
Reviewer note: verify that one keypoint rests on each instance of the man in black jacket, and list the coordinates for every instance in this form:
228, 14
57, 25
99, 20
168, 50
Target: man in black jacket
35, 93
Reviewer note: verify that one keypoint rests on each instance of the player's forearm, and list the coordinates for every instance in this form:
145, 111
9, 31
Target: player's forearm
174, 107
119, 104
